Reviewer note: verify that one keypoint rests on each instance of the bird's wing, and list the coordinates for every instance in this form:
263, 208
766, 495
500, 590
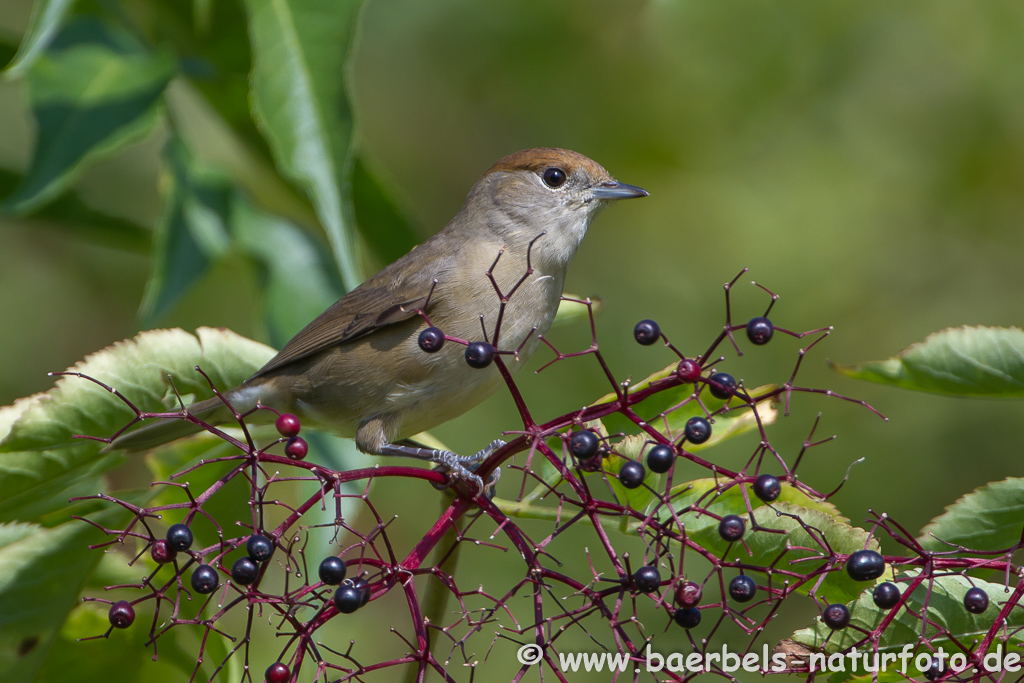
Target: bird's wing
381, 301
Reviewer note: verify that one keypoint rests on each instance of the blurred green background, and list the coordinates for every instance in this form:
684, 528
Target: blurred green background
865, 160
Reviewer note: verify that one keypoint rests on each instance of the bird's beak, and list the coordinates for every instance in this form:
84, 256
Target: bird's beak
616, 190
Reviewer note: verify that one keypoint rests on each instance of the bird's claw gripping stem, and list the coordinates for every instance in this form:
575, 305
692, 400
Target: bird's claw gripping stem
460, 467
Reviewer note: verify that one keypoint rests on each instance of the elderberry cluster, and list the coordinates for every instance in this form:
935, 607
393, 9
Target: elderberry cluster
723, 550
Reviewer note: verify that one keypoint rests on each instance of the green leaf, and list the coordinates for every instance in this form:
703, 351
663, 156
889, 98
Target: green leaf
192, 231
41, 575
761, 547
70, 215
47, 17
640, 498
983, 362
383, 226
92, 92
301, 105
298, 279
988, 518
138, 368
945, 610
41, 466
572, 311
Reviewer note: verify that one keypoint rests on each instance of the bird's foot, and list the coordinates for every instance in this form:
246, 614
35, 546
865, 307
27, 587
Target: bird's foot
463, 467
460, 467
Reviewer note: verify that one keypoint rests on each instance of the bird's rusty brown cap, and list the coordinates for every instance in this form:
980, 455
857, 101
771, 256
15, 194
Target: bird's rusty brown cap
540, 158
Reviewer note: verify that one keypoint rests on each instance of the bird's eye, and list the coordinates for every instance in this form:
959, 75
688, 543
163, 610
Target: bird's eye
554, 177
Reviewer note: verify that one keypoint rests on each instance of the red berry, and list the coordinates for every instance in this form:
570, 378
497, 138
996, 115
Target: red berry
688, 370
121, 614
287, 425
296, 448
278, 673
688, 594
162, 552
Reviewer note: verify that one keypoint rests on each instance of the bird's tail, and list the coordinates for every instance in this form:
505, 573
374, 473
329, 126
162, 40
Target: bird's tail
211, 411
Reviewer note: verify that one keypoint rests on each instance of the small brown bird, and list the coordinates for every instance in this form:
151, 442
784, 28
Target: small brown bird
358, 370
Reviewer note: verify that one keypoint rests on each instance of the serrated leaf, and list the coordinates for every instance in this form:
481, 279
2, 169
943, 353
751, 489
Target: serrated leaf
93, 91
945, 610
192, 231
960, 361
765, 547
989, 518
302, 108
137, 367
41, 466
47, 17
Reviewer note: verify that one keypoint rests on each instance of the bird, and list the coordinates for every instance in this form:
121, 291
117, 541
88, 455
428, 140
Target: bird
358, 369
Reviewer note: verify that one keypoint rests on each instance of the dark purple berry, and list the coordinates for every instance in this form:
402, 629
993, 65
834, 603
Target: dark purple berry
278, 672
688, 370
244, 571
742, 588
121, 614
767, 487
865, 565
935, 669
162, 552
205, 579
479, 355
660, 459
760, 330
584, 444
646, 332
697, 430
179, 537
260, 548
287, 425
347, 599
647, 579
687, 617
731, 528
632, 474
886, 595
296, 448
363, 586
976, 601
332, 570
722, 385
836, 616
688, 594
431, 339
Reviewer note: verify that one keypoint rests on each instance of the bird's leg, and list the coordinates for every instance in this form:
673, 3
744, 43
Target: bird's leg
460, 466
